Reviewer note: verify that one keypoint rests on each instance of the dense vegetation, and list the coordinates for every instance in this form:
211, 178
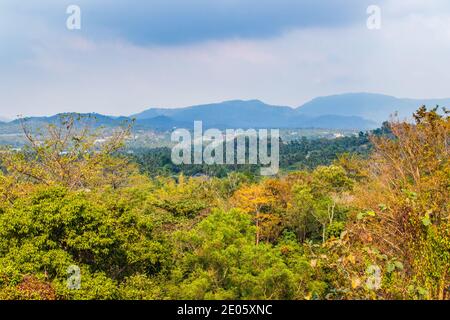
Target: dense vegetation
294, 155
359, 227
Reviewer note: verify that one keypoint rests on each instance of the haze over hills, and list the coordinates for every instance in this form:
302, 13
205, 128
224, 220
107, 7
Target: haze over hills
370, 106
360, 111
235, 113
254, 114
345, 111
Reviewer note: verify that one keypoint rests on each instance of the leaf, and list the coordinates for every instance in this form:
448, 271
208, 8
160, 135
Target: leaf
422, 291
411, 195
356, 282
363, 214
351, 258
426, 220
390, 267
371, 213
398, 265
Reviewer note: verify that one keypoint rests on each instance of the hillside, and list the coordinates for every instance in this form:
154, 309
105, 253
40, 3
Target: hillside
358, 111
254, 114
375, 107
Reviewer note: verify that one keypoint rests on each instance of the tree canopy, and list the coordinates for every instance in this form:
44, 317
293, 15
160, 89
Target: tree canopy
79, 220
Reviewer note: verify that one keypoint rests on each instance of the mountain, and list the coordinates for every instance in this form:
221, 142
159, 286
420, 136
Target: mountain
3, 119
233, 114
93, 120
162, 123
360, 111
253, 114
345, 111
375, 107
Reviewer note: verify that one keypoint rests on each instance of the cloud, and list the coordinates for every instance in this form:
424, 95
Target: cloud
173, 22
47, 69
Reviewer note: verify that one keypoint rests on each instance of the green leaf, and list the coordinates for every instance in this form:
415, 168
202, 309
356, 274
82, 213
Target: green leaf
411, 195
390, 267
422, 291
364, 214
371, 213
398, 265
426, 220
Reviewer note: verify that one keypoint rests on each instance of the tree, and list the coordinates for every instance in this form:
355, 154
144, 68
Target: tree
218, 259
252, 200
53, 228
404, 203
69, 153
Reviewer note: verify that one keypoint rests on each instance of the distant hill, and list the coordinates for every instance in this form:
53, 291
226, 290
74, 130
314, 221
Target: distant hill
375, 107
93, 120
360, 111
162, 123
344, 111
233, 114
253, 114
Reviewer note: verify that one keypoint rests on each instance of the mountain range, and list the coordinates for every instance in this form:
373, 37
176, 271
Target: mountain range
369, 106
360, 111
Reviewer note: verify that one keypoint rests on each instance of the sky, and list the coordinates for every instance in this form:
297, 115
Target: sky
129, 55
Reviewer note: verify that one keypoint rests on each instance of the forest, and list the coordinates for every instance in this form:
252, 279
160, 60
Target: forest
364, 217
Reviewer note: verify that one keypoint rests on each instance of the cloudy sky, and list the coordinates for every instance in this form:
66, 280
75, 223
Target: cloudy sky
129, 56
